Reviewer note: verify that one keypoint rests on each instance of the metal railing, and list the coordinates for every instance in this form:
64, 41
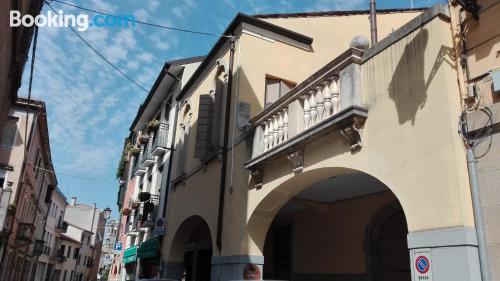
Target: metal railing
160, 143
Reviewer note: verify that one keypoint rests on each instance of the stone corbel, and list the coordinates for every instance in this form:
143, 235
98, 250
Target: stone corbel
353, 132
296, 158
258, 177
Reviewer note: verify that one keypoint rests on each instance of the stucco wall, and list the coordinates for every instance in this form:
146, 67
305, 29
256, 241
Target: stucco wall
410, 139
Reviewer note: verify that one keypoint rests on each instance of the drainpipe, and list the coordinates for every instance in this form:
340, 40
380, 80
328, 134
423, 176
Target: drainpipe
373, 21
478, 214
220, 216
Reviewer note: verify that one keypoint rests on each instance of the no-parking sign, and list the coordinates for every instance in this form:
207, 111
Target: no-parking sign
422, 264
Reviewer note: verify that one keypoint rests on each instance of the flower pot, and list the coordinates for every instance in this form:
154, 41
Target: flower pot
135, 205
125, 212
144, 196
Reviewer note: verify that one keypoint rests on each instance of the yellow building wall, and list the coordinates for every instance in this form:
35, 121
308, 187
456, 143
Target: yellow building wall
410, 90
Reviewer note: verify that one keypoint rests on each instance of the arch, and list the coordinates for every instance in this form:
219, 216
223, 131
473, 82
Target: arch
184, 234
263, 214
374, 230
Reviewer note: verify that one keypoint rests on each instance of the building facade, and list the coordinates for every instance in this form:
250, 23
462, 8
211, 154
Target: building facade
49, 262
478, 64
91, 219
14, 49
304, 152
28, 173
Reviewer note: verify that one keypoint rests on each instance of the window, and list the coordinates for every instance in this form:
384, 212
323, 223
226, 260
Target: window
76, 253
69, 252
276, 88
9, 133
64, 275
71, 275
3, 178
88, 240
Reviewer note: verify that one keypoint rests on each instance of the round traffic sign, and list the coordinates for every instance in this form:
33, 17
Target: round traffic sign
422, 264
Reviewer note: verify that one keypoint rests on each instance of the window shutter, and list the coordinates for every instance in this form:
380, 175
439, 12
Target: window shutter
272, 90
204, 126
220, 90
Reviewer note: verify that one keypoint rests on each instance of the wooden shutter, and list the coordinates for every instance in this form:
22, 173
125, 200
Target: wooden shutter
204, 126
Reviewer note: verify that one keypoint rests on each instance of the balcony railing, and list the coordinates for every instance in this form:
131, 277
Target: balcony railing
25, 232
147, 158
138, 169
160, 145
39, 247
147, 213
329, 100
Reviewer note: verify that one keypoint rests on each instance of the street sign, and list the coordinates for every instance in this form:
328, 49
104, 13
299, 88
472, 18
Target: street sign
118, 247
160, 226
422, 264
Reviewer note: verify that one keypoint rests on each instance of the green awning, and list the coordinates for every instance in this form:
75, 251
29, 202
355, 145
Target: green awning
130, 255
149, 248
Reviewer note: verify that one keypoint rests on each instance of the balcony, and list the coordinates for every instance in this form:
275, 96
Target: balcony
147, 214
328, 101
39, 247
59, 256
148, 159
25, 232
160, 145
138, 169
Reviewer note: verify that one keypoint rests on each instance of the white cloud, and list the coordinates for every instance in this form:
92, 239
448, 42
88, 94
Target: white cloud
145, 57
178, 11
141, 15
341, 5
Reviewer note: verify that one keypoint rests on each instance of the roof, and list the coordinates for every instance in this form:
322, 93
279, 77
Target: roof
241, 18
78, 227
338, 13
158, 80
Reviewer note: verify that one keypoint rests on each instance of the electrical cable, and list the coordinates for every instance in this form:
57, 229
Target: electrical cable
72, 176
138, 21
100, 55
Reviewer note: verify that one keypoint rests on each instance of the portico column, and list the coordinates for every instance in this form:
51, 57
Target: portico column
444, 254
235, 267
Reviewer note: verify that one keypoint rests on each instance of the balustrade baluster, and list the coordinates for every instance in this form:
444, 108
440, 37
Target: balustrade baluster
320, 101
327, 96
266, 135
313, 105
285, 124
280, 127
334, 89
275, 130
271, 142
307, 111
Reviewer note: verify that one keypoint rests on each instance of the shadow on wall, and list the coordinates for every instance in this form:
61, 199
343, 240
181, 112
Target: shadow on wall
408, 87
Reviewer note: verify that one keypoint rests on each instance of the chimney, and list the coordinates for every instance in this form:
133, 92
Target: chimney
373, 21
73, 201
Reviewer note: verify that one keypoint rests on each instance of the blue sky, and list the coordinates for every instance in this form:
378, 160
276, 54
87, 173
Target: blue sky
90, 106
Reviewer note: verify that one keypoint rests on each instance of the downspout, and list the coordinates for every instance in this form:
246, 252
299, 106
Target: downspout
373, 21
478, 214
227, 117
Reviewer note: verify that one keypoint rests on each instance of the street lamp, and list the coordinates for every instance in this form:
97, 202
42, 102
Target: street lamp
107, 213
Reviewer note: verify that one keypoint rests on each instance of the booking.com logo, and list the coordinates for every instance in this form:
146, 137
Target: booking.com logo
80, 22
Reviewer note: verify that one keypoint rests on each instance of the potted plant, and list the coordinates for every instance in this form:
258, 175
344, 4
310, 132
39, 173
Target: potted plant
144, 139
135, 205
132, 149
144, 196
153, 123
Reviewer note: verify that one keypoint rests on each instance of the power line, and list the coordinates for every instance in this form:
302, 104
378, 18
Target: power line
100, 55
72, 176
139, 21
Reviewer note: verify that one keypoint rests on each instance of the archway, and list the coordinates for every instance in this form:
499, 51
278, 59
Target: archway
386, 246
190, 255
318, 231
